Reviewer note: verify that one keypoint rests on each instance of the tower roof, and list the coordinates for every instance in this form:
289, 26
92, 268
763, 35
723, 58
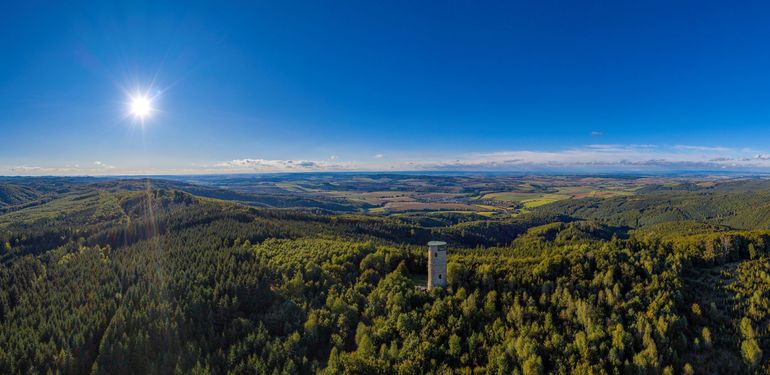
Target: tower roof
436, 243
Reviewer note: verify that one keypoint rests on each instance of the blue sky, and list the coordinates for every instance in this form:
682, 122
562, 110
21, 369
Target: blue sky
396, 85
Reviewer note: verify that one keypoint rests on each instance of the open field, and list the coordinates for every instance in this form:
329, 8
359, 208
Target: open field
532, 199
389, 194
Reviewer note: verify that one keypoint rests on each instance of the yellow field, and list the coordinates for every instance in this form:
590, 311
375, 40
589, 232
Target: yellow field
536, 199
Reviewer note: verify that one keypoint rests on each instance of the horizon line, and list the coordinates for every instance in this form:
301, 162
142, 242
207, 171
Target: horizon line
683, 172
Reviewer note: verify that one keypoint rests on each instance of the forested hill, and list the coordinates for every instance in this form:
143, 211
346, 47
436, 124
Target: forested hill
149, 277
738, 204
17, 193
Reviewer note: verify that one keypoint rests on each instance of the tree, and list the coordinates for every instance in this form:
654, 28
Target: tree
751, 352
455, 347
752, 251
706, 335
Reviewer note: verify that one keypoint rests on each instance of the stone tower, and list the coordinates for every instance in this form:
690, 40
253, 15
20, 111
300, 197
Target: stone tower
436, 264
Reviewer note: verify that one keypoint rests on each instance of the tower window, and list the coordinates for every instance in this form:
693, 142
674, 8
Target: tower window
439, 276
435, 254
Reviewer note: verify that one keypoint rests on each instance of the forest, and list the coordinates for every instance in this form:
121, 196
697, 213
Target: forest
153, 276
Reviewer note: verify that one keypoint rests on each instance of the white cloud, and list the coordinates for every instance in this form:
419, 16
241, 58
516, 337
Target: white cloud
607, 157
593, 157
28, 170
266, 165
703, 148
95, 169
25, 169
102, 165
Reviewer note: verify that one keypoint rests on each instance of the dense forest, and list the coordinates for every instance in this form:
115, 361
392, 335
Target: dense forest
145, 277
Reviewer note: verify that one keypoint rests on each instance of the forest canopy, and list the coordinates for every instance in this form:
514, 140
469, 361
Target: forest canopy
148, 277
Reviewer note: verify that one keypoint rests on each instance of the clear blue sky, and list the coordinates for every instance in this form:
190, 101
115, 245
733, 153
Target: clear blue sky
382, 85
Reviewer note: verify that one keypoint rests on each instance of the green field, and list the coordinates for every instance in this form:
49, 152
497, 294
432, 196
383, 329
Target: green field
535, 199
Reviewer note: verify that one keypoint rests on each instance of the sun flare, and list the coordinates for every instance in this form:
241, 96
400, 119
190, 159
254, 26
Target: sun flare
141, 106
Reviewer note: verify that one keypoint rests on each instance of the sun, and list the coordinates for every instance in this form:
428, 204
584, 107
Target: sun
141, 106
